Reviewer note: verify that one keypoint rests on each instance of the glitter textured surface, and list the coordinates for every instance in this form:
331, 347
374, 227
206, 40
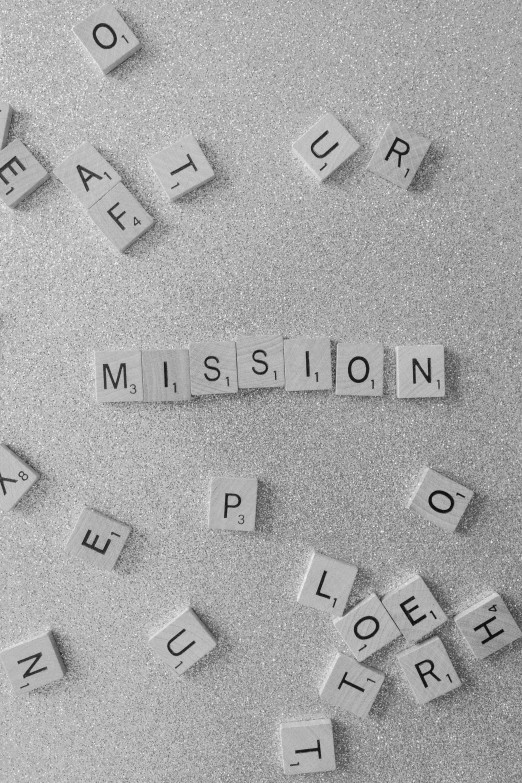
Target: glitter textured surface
262, 248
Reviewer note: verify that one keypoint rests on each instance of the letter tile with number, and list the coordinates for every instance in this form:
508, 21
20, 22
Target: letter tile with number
181, 168
429, 670
327, 584
107, 38
488, 626
367, 628
399, 155
232, 504
260, 362
360, 369
97, 539
87, 175
166, 375
420, 371
16, 478
33, 664
307, 746
440, 500
350, 686
213, 368
118, 376
325, 146
121, 218
20, 173
413, 609
308, 364
182, 642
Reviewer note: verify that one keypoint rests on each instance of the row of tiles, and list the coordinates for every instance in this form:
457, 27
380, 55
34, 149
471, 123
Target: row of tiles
262, 362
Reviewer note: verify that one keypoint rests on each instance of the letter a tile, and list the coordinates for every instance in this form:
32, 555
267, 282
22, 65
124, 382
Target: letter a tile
121, 218
20, 173
429, 670
327, 584
440, 500
32, 664
97, 539
118, 376
399, 155
181, 168
182, 642
233, 504
420, 371
107, 38
350, 686
16, 478
87, 175
488, 626
325, 147
307, 746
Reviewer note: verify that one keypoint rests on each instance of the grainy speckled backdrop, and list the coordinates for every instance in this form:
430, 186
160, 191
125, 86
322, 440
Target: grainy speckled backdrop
262, 248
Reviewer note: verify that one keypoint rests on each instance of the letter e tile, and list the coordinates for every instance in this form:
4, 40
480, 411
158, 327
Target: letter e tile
97, 539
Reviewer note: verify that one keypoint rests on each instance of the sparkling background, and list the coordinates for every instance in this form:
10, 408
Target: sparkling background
263, 248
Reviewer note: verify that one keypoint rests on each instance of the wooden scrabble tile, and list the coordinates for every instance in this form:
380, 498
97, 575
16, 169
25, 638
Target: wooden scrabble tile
32, 664
308, 364
183, 641
325, 146
6, 113
367, 628
420, 371
260, 362
118, 376
232, 504
399, 155
16, 478
307, 746
350, 686
439, 499
429, 670
20, 173
181, 168
107, 38
213, 368
327, 584
414, 609
166, 375
87, 175
360, 369
97, 539
488, 626
121, 218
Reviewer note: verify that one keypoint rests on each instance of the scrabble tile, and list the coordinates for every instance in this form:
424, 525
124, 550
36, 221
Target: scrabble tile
360, 368
325, 146
260, 362
97, 539
399, 155
367, 628
107, 38
350, 686
166, 375
32, 664
413, 609
429, 670
308, 364
118, 376
183, 641
488, 626
16, 478
327, 584
307, 746
6, 113
87, 175
121, 218
440, 500
20, 173
232, 504
181, 168
420, 371
213, 368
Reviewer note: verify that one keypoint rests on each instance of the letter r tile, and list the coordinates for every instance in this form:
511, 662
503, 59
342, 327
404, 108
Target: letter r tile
325, 146
399, 155
97, 539
429, 671
414, 609
182, 641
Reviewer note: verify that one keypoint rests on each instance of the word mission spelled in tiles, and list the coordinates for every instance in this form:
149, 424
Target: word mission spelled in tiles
307, 746
16, 478
399, 155
420, 371
107, 38
327, 584
6, 113
232, 504
325, 147
414, 609
97, 539
360, 369
440, 500
429, 670
488, 626
367, 628
32, 664
182, 642
20, 173
181, 168
350, 686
